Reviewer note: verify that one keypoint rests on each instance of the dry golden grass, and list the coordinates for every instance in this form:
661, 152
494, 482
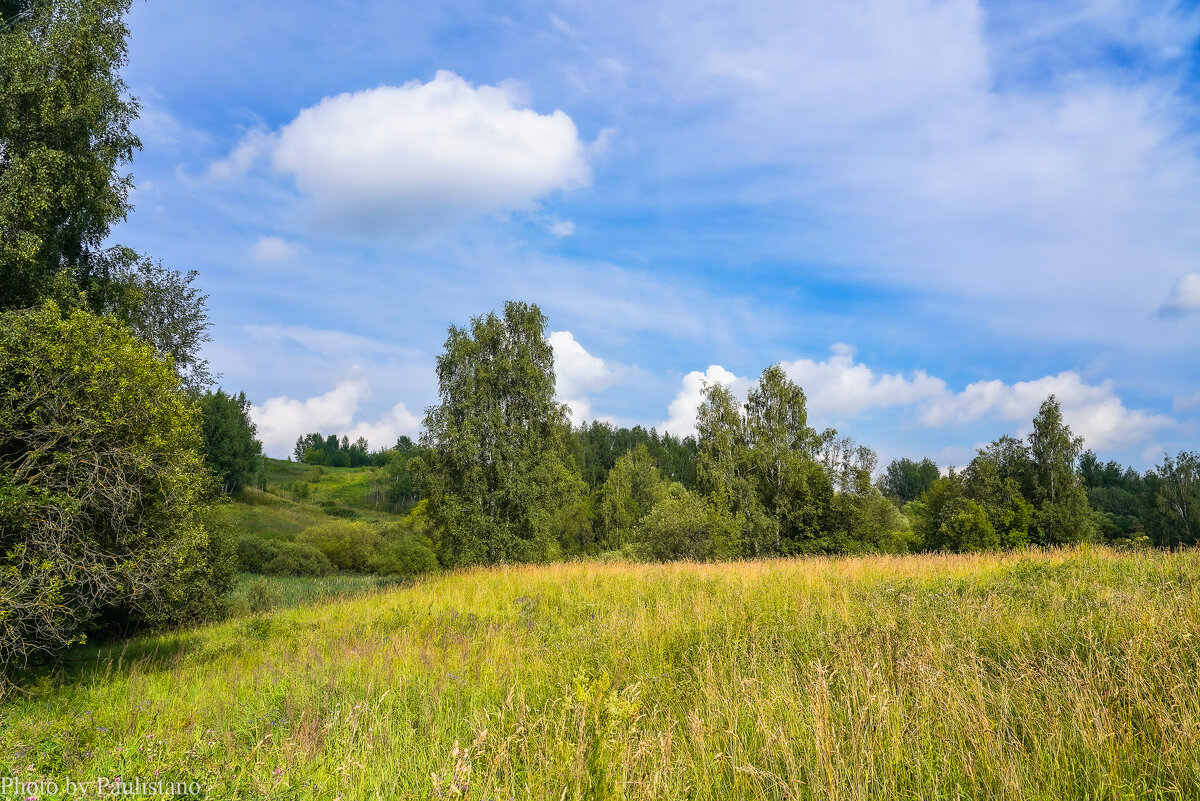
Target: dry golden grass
1063, 674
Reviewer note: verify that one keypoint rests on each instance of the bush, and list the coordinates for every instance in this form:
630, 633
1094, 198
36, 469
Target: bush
348, 545
281, 558
404, 558
685, 526
333, 509
361, 548
102, 486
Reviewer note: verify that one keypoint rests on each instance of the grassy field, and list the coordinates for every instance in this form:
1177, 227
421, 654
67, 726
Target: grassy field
344, 486
1068, 674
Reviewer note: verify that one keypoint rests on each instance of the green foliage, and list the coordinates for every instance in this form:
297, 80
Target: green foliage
64, 137
281, 558
161, 307
596, 447
230, 449
762, 466
1025, 491
320, 450
493, 467
906, 480
362, 548
683, 525
263, 596
1177, 500
629, 492
101, 486
1060, 501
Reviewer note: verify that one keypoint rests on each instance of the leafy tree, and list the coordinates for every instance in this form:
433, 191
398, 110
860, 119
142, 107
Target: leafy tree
1177, 500
160, 306
64, 137
595, 448
1009, 515
494, 467
761, 465
101, 486
230, 448
632, 488
905, 479
1062, 514
1121, 499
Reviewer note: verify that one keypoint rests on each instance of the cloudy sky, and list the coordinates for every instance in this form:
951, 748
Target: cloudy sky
932, 213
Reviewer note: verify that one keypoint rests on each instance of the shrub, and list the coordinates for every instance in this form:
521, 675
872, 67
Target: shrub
361, 548
405, 558
685, 526
333, 509
348, 545
281, 558
101, 486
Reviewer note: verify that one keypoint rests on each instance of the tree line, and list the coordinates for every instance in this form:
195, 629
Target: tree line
508, 479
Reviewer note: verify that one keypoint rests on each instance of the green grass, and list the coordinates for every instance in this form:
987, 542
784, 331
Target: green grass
344, 486
1059, 675
282, 592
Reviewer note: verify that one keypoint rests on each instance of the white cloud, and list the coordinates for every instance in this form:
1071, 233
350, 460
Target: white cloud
1184, 297
272, 248
1185, 403
384, 432
1094, 411
253, 146
418, 154
282, 420
681, 414
562, 228
838, 387
577, 374
338, 346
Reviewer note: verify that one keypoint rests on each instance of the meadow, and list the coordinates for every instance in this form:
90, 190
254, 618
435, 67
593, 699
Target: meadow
1039, 674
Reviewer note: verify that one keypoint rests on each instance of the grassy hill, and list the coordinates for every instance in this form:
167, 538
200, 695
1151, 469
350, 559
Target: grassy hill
1066, 674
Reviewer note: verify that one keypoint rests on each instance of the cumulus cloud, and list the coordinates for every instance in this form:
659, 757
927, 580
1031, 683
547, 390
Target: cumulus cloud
1094, 411
272, 248
281, 420
577, 374
681, 414
838, 387
384, 432
421, 153
1184, 297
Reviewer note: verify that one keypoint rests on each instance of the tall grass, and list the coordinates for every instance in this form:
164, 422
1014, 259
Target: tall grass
1066, 674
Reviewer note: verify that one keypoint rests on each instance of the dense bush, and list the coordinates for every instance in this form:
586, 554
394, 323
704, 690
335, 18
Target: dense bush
684, 525
101, 486
281, 558
362, 548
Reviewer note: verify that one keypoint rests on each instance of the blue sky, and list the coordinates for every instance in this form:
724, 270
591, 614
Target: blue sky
933, 214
